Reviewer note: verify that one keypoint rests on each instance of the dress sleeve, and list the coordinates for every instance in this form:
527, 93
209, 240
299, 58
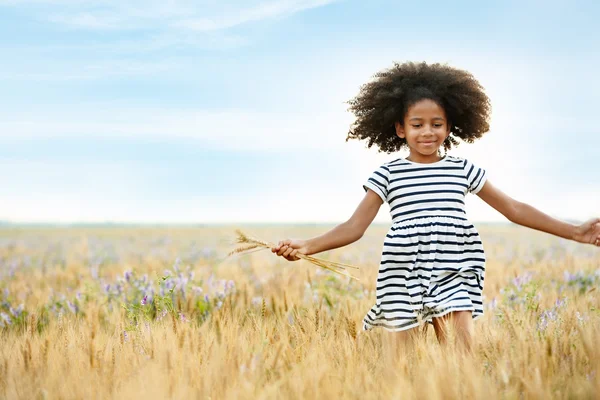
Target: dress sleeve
476, 177
379, 181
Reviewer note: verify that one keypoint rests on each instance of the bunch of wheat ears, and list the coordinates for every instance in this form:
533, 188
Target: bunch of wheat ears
250, 244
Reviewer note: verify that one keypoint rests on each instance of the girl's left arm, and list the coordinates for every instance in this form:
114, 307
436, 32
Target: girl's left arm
526, 215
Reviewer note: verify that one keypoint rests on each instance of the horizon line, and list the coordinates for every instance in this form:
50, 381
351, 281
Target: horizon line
4, 223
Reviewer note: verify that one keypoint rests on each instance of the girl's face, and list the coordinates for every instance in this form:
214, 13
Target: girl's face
425, 128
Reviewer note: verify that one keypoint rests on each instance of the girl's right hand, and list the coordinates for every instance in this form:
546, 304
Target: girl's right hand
289, 248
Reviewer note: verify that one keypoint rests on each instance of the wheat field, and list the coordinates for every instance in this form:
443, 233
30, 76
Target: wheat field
159, 312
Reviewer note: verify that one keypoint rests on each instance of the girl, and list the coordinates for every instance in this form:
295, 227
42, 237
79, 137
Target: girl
433, 264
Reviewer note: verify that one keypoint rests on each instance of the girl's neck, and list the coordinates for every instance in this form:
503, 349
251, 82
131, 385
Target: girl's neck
424, 159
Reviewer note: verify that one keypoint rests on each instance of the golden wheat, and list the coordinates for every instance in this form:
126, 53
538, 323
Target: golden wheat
277, 337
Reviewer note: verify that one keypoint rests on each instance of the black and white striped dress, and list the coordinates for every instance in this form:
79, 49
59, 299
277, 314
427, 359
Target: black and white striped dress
432, 261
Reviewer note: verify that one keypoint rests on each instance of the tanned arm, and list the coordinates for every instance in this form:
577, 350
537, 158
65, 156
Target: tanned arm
342, 235
526, 215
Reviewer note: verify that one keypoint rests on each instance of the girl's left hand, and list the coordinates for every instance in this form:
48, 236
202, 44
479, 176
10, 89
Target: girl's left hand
588, 232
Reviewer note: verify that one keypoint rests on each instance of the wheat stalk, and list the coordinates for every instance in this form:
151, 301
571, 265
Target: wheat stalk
251, 244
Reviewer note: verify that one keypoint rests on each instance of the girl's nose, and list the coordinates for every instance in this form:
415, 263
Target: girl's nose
427, 129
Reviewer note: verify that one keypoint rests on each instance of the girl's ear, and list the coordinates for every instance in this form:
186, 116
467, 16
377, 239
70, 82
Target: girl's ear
448, 130
399, 130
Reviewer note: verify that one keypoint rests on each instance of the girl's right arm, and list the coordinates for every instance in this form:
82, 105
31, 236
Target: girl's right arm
342, 235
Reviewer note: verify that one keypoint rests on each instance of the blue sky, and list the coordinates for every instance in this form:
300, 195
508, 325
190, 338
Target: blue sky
191, 112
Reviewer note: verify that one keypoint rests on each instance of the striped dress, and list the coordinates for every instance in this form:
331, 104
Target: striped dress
432, 261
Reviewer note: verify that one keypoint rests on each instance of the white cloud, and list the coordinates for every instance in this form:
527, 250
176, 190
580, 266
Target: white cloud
153, 25
258, 12
154, 14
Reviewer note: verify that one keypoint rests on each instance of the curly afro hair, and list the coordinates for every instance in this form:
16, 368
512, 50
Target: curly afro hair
385, 100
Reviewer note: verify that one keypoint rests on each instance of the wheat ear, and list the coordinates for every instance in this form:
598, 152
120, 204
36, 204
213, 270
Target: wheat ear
251, 244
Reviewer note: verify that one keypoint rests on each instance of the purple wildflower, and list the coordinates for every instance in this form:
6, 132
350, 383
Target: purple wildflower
569, 277
521, 280
229, 286
16, 312
94, 271
72, 307
144, 300
12, 269
4, 318
162, 315
546, 317
560, 303
197, 290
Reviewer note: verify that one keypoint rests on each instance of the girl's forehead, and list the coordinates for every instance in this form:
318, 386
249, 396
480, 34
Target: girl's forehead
426, 107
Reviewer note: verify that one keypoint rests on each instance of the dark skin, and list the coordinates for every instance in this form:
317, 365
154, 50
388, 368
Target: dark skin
425, 127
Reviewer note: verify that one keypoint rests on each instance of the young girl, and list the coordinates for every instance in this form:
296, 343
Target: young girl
432, 265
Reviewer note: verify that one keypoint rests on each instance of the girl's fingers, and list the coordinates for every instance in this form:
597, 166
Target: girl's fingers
281, 243
288, 252
282, 250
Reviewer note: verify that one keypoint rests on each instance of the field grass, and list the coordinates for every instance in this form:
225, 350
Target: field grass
158, 313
